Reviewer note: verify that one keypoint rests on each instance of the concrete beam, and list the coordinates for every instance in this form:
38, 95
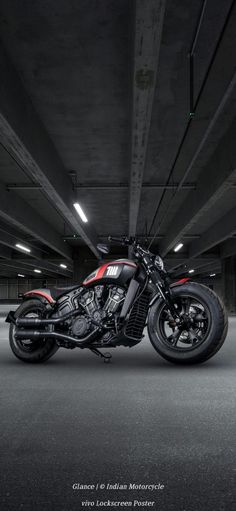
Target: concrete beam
17, 212
9, 273
207, 271
213, 182
5, 252
23, 268
200, 267
105, 186
188, 263
25, 138
214, 113
141, 237
44, 265
9, 240
228, 249
148, 31
219, 232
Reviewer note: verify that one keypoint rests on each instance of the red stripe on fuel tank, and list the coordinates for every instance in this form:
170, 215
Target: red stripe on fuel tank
103, 268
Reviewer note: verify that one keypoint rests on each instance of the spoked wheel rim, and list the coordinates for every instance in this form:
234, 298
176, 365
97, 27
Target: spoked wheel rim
193, 328
29, 345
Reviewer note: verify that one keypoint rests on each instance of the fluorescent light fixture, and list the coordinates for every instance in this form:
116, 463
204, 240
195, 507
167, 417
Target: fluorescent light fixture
20, 275
63, 266
37, 271
178, 247
191, 271
212, 274
22, 247
80, 212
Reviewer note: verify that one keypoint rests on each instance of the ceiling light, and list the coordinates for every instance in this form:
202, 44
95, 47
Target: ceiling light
22, 247
20, 275
191, 271
80, 212
37, 271
212, 274
63, 266
178, 247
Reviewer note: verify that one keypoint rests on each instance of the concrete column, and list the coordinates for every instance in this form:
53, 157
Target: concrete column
229, 283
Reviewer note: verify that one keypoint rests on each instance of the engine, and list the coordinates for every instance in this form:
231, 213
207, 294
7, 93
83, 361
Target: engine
97, 303
101, 300
81, 326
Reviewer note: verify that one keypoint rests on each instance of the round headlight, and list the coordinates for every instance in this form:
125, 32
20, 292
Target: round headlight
159, 263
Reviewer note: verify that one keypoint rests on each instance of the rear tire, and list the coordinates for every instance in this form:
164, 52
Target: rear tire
31, 351
202, 339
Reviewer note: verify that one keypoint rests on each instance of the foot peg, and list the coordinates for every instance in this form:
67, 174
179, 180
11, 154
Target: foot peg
106, 356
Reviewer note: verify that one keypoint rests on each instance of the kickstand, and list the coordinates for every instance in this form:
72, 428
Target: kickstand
106, 356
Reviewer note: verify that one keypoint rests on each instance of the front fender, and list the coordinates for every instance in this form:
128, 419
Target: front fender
180, 282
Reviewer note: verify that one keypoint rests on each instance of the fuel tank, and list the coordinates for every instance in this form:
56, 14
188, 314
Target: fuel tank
117, 272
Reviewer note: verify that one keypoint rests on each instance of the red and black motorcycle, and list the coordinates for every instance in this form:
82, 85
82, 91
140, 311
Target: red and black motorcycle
186, 321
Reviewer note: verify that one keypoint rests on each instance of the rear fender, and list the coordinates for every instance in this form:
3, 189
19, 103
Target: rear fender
43, 295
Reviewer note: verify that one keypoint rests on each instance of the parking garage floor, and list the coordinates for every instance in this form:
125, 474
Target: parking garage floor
136, 420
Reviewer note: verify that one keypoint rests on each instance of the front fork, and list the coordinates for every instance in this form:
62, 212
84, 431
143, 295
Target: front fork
165, 293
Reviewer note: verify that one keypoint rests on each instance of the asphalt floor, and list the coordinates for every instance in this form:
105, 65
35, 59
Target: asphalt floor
138, 420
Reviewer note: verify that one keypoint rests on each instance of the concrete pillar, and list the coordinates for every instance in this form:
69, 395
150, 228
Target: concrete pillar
229, 283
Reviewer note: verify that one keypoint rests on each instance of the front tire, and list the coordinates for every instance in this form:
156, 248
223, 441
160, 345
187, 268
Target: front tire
205, 320
28, 350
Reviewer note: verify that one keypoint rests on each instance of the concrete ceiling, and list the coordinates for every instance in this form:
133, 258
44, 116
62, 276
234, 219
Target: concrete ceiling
127, 107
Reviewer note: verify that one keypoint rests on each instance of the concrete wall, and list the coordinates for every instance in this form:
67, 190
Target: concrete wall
215, 283
11, 288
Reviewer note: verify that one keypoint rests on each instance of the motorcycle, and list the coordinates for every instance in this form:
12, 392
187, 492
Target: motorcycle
186, 321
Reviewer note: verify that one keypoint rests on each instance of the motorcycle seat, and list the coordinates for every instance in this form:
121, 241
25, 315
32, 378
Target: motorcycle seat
57, 292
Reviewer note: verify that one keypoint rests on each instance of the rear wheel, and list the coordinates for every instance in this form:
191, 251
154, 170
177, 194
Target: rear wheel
29, 350
201, 331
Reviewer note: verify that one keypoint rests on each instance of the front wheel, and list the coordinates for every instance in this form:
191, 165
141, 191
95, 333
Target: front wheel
201, 330
29, 350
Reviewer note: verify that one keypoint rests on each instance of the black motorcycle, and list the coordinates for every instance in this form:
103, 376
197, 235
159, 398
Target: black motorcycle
186, 321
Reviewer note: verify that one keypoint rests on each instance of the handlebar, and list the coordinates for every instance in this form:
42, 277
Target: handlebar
123, 240
149, 258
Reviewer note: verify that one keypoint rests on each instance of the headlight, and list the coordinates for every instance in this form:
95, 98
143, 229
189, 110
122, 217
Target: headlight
159, 263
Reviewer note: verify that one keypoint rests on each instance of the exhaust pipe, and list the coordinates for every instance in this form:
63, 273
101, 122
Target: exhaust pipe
36, 334
37, 322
